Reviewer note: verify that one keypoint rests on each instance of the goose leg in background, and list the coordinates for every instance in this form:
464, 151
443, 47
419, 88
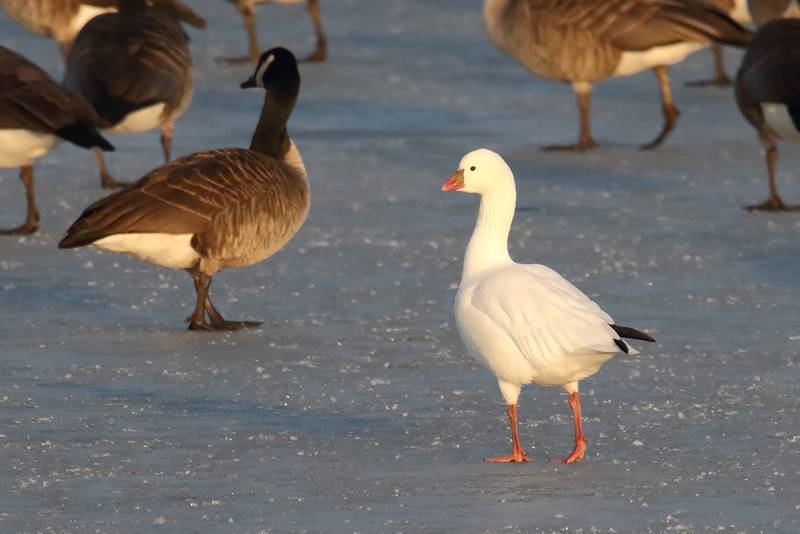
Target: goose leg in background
669, 108
583, 92
721, 78
517, 454
580, 441
774, 202
321, 52
248, 17
166, 141
105, 179
32, 217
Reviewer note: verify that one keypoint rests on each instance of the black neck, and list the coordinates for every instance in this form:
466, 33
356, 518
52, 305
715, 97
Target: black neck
270, 136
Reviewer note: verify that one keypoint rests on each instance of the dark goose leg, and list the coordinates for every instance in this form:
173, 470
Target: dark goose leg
585, 142
720, 78
321, 52
774, 202
32, 218
166, 141
252, 39
197, 321
670, 109
105, 179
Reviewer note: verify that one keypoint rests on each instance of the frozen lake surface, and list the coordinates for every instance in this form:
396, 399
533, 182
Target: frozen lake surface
355, 408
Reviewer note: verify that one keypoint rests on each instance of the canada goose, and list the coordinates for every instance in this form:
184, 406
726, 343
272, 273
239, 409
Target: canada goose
59, 19
247, 9
738, 11
35, 112
134, 67
768, 93
764, 11
584, 41
525, 323
217, 209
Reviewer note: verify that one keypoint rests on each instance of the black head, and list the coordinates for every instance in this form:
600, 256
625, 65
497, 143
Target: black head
277, 66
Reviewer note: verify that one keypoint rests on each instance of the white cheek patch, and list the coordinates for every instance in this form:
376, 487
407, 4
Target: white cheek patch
262, 69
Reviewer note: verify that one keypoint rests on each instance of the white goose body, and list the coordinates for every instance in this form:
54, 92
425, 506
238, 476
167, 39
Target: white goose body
525, 323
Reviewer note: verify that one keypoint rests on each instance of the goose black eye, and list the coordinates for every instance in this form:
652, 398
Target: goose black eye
472, 168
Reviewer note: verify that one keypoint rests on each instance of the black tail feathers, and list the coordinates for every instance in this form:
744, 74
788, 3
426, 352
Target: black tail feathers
84, 135
631, 333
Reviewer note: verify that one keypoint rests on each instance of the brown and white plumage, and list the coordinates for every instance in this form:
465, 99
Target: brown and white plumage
768, 92
738, 11
583, 41
135, 68
35, 113
215, 209
247, 9
58, 19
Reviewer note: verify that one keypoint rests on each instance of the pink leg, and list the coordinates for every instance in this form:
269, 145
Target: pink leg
580, 441
517, 454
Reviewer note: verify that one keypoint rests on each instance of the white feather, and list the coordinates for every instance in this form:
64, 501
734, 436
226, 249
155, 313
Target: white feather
141, 120
20, 147
634, 62
780, 122
167, 250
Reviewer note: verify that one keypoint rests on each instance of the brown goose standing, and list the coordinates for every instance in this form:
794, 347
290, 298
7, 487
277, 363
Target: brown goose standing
768, 93
134, 67
248, 7
738, 11
582, 42
59, 19
217, 209
764, 11
35, 112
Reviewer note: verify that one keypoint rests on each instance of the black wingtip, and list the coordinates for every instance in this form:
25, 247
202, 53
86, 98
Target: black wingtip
622, 345
631, 333
84, 135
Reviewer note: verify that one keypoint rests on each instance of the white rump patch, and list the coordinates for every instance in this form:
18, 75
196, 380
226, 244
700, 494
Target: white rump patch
20, 147
780, 122
167, 250
141, 120
633, 62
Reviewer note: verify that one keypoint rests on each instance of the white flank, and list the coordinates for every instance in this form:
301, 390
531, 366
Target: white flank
780, 122
141, 120
21, 147
633, 62
167, 250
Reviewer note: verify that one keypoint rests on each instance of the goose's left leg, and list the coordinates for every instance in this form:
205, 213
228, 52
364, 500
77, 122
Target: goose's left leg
580, 441
321, 52
32, 218
583, 92
166, 140
669, 108
720, 78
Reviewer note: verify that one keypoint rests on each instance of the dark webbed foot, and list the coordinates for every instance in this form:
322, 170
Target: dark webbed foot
583, 146
772, 204
318, 56
26, 229
107, 182
720, 81
239, 60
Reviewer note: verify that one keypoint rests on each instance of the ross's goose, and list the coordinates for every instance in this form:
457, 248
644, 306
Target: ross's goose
525, 323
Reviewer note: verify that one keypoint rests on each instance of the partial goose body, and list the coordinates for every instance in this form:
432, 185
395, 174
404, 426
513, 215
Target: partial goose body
134, 67
247, 9
525, 323
764, 11
580, 42
738, 11
768, 93
59, 19
216, 209
35, 114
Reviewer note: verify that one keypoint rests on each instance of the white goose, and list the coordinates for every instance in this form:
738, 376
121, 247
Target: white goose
525, 323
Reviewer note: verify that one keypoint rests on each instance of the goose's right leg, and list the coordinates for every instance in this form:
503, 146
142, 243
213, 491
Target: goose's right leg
774, 202
517, 454
670, 110
720, 78
248, 17
32, 218
583, 91
105, 179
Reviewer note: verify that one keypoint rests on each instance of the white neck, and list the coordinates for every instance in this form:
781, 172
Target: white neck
488, 246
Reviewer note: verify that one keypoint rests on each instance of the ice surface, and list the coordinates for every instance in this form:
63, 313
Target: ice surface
355, 408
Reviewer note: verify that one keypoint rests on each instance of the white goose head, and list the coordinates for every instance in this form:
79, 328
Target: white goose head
480, 171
